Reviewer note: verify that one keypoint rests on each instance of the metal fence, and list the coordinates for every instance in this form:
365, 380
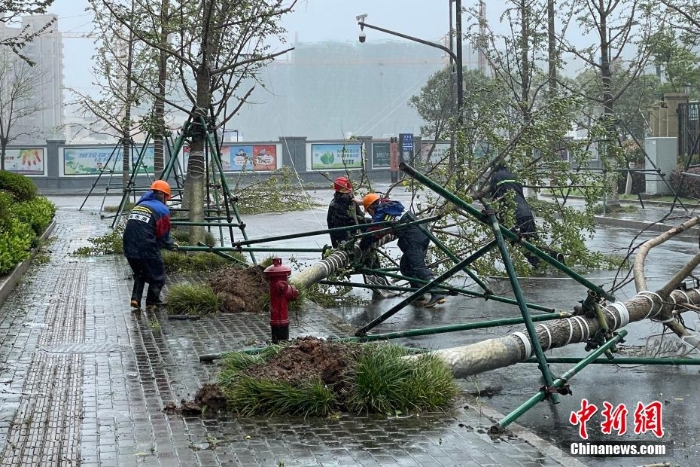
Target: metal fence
688, 131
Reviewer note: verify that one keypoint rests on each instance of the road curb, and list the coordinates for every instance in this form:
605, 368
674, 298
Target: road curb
9, 281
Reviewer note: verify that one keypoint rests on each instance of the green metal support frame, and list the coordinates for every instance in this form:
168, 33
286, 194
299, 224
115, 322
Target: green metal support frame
214, 173
558, 383
471, 293
507, 233
625, 361
425, 288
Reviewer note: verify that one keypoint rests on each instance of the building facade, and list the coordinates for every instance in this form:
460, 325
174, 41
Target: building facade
46, 51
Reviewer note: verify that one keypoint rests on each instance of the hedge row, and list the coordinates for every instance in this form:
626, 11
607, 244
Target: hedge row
23, 218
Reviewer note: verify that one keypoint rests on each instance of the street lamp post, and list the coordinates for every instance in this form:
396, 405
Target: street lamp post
456, 57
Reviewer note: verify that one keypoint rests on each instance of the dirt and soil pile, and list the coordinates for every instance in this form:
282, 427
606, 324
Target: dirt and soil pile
305, 359
241, 290
209, 398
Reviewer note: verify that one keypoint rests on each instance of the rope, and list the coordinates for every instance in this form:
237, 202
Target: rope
571, 330
644, 293
549, 336
624, 314
526, 342
578, 320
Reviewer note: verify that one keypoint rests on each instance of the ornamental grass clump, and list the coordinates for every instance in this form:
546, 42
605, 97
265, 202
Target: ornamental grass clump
192, 299
383, 381
313, 377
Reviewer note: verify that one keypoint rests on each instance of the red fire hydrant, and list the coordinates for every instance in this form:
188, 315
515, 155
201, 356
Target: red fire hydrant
281, 293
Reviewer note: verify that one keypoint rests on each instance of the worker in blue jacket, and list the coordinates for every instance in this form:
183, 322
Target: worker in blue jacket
147, 231
413, 243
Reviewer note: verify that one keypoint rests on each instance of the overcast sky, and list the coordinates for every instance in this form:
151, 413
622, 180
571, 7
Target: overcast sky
312, 20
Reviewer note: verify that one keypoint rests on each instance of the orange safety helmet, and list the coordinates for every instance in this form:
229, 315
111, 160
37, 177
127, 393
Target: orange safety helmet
342, 185
369, 199
163, 187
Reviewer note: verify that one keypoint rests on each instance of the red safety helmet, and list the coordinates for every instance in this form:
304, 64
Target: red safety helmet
163, 187
369, 199
342, 185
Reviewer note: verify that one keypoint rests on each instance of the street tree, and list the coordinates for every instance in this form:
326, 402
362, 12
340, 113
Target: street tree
618, 29
119, 58
216, 48
509, 117
18, 84
676, 61
11, 11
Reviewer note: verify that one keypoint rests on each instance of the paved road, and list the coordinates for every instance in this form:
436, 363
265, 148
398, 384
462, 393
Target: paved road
84, 382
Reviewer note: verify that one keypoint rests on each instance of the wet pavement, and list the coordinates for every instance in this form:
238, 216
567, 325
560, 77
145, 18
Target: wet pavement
84, 380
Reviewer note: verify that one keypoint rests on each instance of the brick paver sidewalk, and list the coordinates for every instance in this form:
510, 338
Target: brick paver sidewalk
83, 382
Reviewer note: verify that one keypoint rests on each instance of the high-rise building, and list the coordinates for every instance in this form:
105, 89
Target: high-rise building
334, 90
46, 51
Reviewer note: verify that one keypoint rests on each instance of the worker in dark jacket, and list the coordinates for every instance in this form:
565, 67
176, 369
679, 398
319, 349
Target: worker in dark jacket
147, 231
503, 182
412, 242
344, 211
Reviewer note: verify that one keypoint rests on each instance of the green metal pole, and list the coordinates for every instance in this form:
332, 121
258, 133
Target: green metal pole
536, 346
263, 249
306, 234
455, 258
395, 226
205, 224
505, 232
559, 382
224, 255
451, 328
471, 293
625, 361
411, 298
224, 184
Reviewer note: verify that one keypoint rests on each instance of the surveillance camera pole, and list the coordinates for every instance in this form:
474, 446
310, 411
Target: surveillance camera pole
457, 58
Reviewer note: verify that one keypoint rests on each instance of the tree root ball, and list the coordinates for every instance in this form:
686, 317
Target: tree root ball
241, 290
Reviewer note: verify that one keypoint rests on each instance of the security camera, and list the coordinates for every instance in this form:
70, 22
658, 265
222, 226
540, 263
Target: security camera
362, 37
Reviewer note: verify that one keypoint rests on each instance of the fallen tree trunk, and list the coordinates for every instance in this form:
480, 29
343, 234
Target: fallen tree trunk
661, 306
334, 262
517, 347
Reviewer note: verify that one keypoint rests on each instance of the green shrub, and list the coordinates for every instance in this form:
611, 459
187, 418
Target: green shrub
38, 213
15, 241
19, 185
686, 185
192, 299
6, 201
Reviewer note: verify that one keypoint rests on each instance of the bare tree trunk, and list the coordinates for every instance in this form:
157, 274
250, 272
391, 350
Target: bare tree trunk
126, 122
3, 149
613, 198
158, 150
552, 49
